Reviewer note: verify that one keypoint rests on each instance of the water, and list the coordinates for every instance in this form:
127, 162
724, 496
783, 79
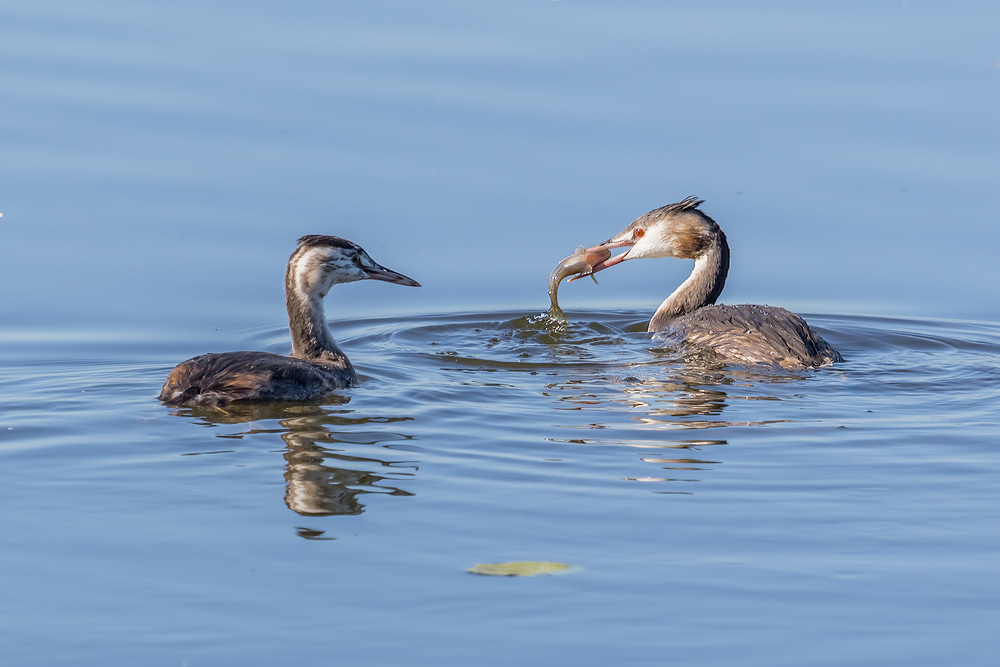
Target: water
844, 514
157, 163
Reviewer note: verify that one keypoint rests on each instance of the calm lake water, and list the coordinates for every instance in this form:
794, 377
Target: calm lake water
157, 163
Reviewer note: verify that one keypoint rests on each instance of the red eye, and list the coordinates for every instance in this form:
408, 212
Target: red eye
638, 233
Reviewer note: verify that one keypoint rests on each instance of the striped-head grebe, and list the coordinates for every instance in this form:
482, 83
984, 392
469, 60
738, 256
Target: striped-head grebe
316, 366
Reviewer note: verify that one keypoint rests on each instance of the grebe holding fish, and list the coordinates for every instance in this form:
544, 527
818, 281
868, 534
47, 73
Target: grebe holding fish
747, 334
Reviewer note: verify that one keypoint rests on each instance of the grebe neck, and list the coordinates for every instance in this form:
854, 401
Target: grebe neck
701, 288
311, 337
307, 281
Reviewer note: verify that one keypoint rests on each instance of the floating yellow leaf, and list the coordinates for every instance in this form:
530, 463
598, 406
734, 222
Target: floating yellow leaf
519, 569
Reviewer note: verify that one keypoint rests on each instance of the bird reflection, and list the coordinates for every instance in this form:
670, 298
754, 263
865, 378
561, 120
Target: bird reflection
316, 488
664, 400
321, 478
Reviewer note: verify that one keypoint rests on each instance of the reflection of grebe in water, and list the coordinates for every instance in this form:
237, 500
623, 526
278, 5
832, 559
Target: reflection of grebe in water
316, 366
326, 473
317, 485
744, 334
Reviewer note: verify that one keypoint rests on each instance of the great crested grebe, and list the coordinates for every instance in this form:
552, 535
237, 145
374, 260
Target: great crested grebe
316, 366
745, 334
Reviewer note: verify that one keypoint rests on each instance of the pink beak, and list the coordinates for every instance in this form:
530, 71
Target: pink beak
616, 259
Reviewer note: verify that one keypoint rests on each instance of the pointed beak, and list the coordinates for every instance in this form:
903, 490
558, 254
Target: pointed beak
611, 261
379, 272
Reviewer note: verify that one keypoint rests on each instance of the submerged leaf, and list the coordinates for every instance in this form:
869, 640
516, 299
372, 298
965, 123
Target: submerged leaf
519, 569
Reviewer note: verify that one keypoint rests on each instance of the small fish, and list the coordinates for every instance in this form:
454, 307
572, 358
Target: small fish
580, 263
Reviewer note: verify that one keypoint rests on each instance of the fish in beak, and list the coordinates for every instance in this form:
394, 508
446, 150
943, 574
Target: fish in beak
579, 264
603, 250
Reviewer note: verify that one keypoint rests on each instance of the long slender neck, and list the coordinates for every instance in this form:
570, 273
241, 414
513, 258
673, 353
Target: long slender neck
311, 337
701, 288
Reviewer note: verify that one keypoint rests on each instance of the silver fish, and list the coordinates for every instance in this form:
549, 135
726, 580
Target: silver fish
580, 263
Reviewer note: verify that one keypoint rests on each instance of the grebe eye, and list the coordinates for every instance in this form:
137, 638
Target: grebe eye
638, 233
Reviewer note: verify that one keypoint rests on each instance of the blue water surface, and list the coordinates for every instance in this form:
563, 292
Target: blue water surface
157, 163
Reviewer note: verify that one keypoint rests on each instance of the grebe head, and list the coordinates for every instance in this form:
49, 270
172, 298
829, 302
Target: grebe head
677, 230
320, 262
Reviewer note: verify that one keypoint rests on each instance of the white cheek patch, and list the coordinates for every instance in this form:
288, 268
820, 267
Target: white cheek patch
642, 249
304, 268
312, 275
652, 246
341, 272
319, 269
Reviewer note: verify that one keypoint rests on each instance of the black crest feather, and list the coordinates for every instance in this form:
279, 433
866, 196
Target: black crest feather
319, 240
686, 204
